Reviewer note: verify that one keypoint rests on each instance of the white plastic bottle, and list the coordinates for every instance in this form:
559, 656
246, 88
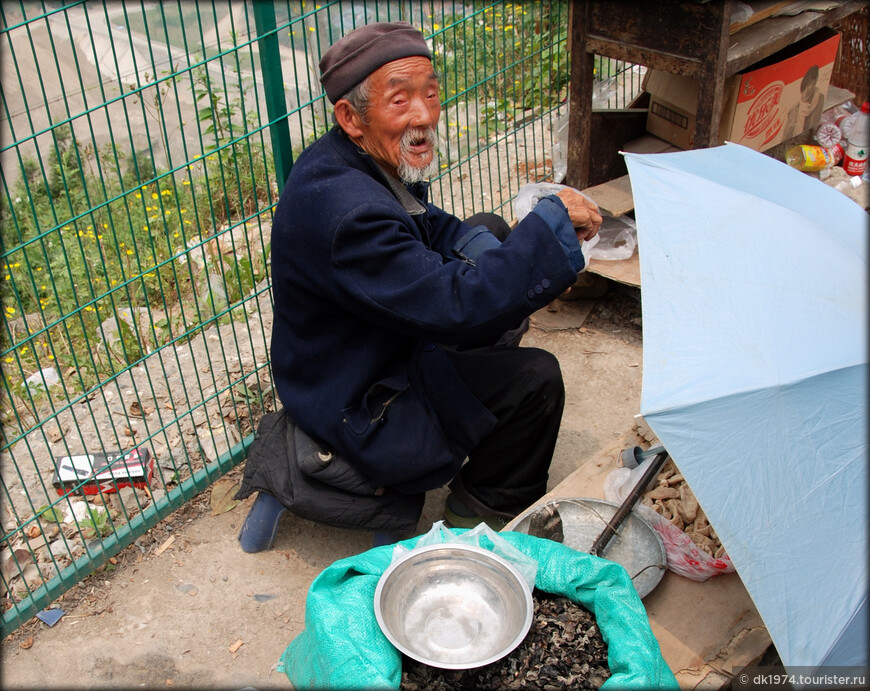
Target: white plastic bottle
855, 157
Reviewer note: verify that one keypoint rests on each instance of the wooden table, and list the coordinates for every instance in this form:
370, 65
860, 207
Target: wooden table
685, 37
707, 630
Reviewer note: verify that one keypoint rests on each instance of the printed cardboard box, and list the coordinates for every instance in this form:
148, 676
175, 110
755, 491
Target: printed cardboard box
769, 102
91, 473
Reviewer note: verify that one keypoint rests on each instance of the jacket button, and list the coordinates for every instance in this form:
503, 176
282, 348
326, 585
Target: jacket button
545, 283
531, 294
539, 289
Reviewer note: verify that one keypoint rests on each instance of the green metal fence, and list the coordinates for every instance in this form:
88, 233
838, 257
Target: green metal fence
143, 147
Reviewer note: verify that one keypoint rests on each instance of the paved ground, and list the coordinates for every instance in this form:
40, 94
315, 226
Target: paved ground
184, 606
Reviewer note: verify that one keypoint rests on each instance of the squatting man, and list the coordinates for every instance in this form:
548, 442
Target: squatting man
395, 342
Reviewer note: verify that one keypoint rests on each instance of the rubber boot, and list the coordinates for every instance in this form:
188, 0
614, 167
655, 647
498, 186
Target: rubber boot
261, 524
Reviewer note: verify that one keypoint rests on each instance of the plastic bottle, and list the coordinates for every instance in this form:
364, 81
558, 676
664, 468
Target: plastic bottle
810, 158
855, 157
828, 134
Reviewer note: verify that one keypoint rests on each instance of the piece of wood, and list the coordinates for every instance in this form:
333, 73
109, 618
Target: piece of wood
625, 271
649, 144
165, 546
760, 10
613, 197
706, 630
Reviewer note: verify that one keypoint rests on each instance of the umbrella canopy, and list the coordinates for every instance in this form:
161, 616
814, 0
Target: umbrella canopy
754, 292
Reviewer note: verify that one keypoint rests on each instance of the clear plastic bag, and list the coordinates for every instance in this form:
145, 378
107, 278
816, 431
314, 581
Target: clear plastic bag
533, 192
559, 153
480, 536
684, 556
617, 239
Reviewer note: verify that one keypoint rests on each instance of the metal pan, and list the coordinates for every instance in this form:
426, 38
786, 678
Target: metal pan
636, 545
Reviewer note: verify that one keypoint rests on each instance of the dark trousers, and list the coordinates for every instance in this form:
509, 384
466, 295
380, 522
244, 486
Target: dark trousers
524, 390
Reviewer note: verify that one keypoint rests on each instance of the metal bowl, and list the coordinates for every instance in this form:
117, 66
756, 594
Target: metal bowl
453, 606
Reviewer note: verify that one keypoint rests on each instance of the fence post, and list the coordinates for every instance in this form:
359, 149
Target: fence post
273, 88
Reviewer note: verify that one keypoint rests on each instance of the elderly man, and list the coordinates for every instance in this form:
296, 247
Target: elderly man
388, 341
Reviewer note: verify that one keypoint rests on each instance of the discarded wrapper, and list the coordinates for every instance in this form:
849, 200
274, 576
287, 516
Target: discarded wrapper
106, 472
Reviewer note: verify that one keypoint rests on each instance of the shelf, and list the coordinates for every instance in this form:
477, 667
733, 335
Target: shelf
763, 39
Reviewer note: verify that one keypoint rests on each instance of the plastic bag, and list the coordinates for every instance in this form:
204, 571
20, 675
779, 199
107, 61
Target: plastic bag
439, 534
343, 647
617, 239
741, 12
559, 152
533, 192
684, 556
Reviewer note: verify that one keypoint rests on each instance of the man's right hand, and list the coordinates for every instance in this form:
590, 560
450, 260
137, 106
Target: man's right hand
583, 213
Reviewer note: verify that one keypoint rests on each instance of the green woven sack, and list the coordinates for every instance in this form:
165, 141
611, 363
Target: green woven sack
342, 646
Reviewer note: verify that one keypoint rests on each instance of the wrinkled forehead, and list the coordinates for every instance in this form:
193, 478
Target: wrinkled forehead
404, 72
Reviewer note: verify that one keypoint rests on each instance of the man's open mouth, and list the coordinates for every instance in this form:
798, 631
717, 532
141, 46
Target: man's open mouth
417, 142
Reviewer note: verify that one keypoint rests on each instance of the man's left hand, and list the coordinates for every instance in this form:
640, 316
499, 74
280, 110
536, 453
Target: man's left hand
583, 213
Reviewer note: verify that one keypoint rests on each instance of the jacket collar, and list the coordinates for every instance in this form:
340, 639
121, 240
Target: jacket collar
408, 201
411, 197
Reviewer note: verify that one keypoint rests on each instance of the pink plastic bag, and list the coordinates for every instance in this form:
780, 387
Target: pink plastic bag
684, 556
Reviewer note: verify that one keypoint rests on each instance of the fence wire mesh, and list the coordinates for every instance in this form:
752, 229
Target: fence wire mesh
143, 147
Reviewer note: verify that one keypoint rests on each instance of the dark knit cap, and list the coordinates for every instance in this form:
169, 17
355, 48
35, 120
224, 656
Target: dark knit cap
355, 56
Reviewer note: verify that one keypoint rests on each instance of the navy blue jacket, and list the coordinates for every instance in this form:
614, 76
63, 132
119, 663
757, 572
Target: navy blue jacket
366, 285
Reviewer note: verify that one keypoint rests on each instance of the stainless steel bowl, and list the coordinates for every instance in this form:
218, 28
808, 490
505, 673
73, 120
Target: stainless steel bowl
453, 606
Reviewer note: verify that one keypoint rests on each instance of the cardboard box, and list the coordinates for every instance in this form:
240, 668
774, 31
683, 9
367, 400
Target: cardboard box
106, 472
763, 105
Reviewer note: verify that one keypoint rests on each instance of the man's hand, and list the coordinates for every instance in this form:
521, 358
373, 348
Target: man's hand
583, 213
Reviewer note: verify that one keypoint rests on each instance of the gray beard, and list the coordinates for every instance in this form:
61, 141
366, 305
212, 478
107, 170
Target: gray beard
409, 174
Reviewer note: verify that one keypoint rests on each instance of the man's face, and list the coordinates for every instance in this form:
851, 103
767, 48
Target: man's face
399, 132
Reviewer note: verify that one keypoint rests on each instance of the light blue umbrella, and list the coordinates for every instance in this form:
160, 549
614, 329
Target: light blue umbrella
754, 296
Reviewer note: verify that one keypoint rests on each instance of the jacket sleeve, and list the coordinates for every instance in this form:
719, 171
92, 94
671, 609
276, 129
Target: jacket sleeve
454, 238
384, 271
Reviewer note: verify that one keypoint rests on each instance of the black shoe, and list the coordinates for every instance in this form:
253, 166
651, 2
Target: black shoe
458, 515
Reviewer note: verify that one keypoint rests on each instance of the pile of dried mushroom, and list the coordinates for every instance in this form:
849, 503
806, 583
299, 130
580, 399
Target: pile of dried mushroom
564, 649
673, 499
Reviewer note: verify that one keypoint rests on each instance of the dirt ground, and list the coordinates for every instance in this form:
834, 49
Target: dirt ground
183, 606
